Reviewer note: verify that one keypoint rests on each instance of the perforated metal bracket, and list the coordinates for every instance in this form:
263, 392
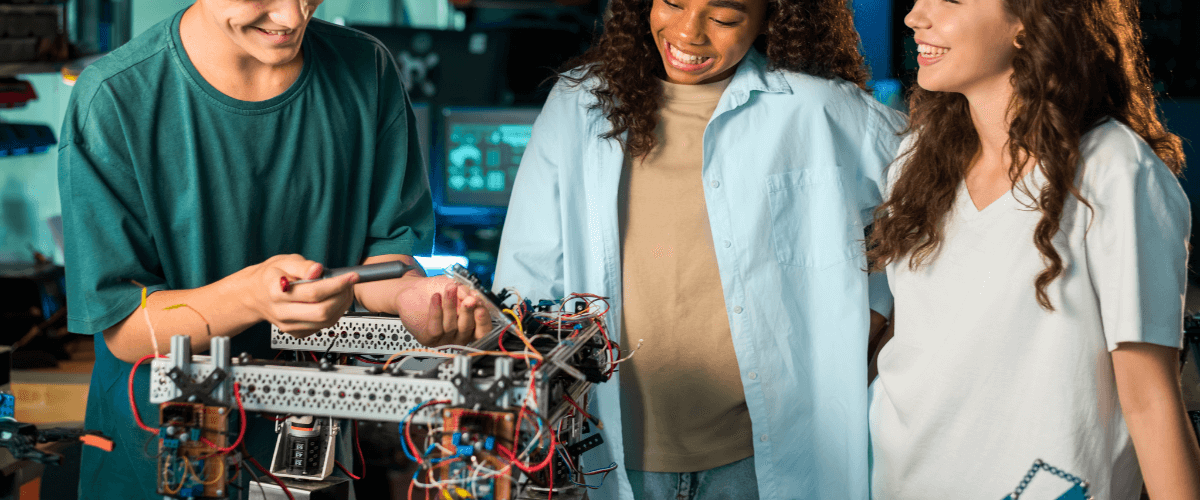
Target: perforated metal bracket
345, 392
353, 334
582, 447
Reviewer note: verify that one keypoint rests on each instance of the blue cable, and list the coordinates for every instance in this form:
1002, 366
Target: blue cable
403, 441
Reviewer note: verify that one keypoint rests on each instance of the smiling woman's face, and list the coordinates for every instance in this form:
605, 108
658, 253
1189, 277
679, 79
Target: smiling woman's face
963, 45
702, 41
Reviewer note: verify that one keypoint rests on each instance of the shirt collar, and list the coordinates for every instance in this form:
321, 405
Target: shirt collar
752, 75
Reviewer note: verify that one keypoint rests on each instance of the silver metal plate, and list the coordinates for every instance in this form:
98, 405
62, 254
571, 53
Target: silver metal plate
352, 335
345, 392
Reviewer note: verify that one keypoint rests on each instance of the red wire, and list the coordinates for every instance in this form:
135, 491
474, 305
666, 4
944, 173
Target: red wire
137, 416
408, 423
412, 484
500, 340
254, 462
521, 413
520, 465
359, 447
348, 473
610, 346
577, 407
408, 440
237, 395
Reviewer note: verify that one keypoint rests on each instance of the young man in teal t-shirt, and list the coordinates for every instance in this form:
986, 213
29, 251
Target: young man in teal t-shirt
229, 146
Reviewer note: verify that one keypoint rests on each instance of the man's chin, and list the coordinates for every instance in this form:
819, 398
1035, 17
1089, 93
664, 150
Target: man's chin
274, 57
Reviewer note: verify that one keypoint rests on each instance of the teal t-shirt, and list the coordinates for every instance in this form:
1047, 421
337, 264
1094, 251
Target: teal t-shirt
166, 181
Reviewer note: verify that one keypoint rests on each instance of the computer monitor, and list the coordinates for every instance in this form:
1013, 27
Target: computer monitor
480, 150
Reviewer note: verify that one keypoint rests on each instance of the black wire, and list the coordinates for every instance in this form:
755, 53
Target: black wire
331, 344
257, 479
146, 449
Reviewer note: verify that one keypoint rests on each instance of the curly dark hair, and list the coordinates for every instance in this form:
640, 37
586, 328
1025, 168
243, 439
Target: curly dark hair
811, 36
1081, 62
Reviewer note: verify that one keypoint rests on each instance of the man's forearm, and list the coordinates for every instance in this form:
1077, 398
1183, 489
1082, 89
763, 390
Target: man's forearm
202, 313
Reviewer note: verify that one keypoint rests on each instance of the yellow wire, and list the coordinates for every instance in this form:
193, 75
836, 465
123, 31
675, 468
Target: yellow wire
521, 334
210, 482
167, 484
207, 325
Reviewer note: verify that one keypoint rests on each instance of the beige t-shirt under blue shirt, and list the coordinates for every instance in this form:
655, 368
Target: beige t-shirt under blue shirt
684, 409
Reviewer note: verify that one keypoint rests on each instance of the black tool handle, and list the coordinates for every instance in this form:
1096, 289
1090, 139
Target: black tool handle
373, 272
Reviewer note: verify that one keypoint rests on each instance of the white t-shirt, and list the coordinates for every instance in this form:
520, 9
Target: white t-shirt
979, 380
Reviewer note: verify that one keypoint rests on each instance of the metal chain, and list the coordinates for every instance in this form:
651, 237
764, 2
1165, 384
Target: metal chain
1039, 464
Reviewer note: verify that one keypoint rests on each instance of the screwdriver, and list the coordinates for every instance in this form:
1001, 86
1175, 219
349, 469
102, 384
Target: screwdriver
369, 272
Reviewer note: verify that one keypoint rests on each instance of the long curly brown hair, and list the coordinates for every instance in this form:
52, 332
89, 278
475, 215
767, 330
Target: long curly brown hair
1081, 62
811, 36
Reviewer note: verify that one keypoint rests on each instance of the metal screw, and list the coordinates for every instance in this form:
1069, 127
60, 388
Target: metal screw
508, 418
220, 411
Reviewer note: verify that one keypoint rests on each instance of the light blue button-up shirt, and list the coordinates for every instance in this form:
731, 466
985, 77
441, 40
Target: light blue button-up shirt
793, 168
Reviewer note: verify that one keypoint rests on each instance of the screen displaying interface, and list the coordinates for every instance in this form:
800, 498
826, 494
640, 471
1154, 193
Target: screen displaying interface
483, 148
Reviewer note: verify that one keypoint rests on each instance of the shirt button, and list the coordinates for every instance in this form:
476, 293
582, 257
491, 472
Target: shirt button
728, 243
715, 183
752, 375
763, 438
737, 309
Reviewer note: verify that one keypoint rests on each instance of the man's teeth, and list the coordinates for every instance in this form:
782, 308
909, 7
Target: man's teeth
686, 58
930, 50
277, 33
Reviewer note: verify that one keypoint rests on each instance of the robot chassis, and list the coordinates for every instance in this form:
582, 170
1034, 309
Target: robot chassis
474, 396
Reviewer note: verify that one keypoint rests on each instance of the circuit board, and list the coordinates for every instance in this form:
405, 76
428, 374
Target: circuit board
188, 467
476, 433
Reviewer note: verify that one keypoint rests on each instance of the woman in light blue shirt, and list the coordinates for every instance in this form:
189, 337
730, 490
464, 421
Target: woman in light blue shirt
787, 172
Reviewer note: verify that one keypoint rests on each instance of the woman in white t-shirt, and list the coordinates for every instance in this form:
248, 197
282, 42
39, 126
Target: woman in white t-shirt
1035, 241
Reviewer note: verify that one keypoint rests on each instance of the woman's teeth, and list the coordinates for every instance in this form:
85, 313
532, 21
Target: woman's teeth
930, 50
276, 33
686, 58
